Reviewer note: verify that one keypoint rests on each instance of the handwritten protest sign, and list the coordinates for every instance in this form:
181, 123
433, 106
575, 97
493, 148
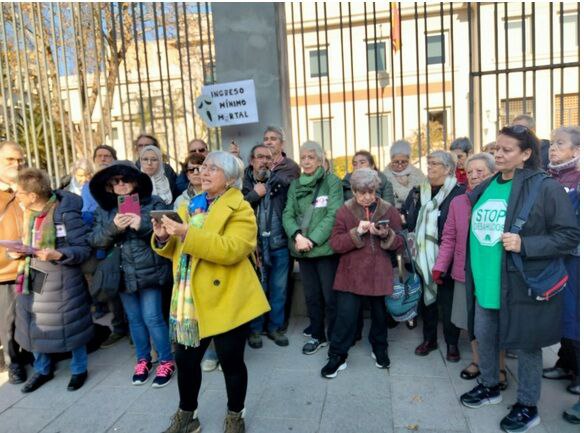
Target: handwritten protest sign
228, 104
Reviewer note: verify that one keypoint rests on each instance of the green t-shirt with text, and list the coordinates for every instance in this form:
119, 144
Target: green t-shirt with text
486, 250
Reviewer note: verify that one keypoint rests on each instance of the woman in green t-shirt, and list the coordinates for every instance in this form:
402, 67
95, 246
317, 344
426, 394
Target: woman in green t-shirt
506, 317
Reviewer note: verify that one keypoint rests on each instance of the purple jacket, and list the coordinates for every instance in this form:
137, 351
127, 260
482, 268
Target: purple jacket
568, 174
452, 249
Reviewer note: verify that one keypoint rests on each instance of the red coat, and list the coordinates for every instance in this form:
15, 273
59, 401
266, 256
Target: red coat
365, 265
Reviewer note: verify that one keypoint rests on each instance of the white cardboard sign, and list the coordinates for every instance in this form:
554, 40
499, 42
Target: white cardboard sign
228, 104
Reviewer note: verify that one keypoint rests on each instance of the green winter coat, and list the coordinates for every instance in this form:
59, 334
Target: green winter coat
328, 201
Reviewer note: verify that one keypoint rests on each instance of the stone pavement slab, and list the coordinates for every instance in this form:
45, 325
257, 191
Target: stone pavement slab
285, 394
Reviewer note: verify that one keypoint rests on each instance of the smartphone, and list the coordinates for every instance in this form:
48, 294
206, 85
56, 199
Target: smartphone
381, 223
129, 204
158, 214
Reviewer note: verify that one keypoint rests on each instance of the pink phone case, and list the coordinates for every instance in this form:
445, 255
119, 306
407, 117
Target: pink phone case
129, 204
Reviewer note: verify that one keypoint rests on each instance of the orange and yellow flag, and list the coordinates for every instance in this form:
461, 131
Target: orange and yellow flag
395, 27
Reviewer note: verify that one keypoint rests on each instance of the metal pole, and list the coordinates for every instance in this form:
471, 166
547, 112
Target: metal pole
170, 95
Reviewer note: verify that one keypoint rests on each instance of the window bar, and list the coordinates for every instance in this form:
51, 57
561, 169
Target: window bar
188, 56
212, 62
352, 78
523, 60
343, 84
202, 53
304, 70
160, 79
168, 80
137, 54
145, 49
496, 34
114, 40
533, 51
378, 116
391, 38
45, 65
562, 63
85, 108
427, 81
17, 48
4, 124
551, 62
480, 80
507, 102
97, 76
365, 24
180, 62
401, 72
471, 111
126, 50
318, 49
419, 129
328, 84
445, 118
297, 109
103, 23
10, 135
452, 86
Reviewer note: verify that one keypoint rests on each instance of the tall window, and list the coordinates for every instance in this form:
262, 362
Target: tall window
515, 107
321, 133
318, 63
435, 54
570, 24
378, 131
571, 110
438, 128
516, 29
376, 57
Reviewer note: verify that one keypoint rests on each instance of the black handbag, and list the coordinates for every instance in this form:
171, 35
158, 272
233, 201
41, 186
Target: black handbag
106, 280
553, 278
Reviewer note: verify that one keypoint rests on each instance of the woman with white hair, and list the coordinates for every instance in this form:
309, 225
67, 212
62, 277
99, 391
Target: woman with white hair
402, 175
152, 164
81, 173
216, 291
313, 200
426, 211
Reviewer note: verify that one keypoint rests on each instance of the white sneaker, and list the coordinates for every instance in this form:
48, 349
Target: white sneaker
209, 364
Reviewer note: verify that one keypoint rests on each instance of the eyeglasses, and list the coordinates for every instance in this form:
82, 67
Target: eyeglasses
200, 150
148, 160
400, 162
193, 170
435, 163
212, 169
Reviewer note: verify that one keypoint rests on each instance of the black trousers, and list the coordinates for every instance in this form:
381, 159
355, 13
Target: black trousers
12, 352
347, 321
430, 313
569, 356
230, 347
318, 275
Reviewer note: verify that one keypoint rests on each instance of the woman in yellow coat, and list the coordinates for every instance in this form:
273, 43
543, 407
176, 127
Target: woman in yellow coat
216, 291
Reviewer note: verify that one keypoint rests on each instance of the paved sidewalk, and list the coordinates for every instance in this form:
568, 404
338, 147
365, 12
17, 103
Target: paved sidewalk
285, 394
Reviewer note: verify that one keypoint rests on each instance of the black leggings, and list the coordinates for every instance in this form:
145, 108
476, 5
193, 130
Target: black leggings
229, 346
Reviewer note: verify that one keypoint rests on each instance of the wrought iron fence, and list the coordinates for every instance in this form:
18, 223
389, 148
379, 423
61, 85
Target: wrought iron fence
75, 75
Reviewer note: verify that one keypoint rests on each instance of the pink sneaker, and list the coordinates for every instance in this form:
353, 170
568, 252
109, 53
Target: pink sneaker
164, 373
141, 372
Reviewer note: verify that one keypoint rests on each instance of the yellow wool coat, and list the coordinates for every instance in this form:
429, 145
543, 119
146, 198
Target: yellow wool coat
225, 287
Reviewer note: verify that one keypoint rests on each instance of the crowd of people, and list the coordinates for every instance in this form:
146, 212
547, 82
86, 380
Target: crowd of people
195, 265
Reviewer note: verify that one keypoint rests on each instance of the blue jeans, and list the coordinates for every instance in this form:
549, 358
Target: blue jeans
274, 281
43, 365
144, 311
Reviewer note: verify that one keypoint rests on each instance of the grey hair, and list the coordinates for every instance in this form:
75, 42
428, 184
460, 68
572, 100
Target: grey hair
483, 156
526, 118
7, 143
313, 146
445, 158
231, 165
462, 143
400, 147
276, 130
82, 164
572, 131
364, 179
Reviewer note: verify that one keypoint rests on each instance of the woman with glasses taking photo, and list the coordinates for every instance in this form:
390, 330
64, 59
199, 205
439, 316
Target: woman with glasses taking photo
508, 315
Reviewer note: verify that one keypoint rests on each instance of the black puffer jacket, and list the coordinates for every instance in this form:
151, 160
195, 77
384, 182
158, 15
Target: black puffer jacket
142, 267
55, 316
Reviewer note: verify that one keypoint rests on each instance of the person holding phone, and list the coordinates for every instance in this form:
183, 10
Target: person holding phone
144, 274
52, 303
364, 231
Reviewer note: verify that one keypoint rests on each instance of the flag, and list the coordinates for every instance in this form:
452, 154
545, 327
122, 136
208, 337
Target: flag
395, 27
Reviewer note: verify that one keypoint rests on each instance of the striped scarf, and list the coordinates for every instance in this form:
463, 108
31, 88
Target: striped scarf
427, 234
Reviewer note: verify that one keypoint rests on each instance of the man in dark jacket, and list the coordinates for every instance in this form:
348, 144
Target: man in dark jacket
267, 193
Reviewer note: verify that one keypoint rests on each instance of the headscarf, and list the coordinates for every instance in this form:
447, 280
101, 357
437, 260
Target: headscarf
160, 183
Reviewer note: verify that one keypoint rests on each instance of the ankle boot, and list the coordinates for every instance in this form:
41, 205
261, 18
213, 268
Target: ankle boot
234, 422
184, 421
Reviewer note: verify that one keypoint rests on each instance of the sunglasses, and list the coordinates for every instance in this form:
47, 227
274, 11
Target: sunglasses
193, 170
515, 129
118, 179
200, 150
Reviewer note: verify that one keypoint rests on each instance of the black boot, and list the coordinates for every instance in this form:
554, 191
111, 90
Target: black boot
77, 381
36, 381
